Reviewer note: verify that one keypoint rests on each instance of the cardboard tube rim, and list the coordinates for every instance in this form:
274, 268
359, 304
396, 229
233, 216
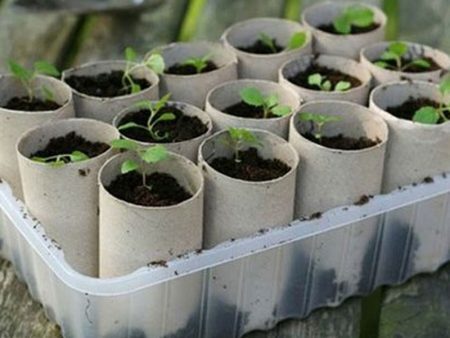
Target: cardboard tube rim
327, 61
203, 161
56, 82
72, 71
377, 12
75, 121
274, 21
201, 114
378, 119
254, 81
194, 196
232, 58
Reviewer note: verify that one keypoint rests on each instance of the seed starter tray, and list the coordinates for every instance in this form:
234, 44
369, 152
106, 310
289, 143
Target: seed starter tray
241, 285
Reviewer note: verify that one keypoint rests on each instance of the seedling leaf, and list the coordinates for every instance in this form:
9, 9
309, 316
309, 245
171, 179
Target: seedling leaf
20, 72
128, 166
124, 145
43, 67
421, 63
78, 156
267, 41
252, 96
398, 48
155, 154
360, 16
281, 110
315, 80
426, 115
342, 86
444, 86
130, 54
297, 40
156, 63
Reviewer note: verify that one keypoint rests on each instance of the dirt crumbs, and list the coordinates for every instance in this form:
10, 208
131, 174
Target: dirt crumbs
364, 199
407, 109
181, 69
160, 263
161, 190
332, 75
180, 129
412, 68
68, 144
104, 84
36, 104
428, 179
251, 167
329, 28
242, 109
342, 142
258, 47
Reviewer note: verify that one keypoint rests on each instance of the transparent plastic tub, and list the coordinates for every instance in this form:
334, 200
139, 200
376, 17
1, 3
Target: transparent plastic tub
246, 284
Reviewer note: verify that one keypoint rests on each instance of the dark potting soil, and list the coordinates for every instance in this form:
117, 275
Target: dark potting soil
181, 129
164, 189
70, 143
407, 109
329, 28
342, 142
24, 104
412, 68
180, 69
333, 75
104, 84
258, 47
243, 109
252, 167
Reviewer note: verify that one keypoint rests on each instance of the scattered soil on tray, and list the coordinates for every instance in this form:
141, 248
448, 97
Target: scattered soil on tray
162, 189
407, 109
242, 109
180, 69
104, 84
70, 143
315, 215
329, 28
182, 128
364, 199
258, 47
332, 75
342, 142
160, 263
428, 179
251, 167
24, 104
413, 68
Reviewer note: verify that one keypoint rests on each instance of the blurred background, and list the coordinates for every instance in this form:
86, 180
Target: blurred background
69, 32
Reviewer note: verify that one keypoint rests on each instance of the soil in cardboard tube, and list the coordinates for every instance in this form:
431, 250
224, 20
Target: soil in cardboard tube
70, 143
342, 142
181, 69
407, 109
412, 68
329, 28
258, 47
251, 167
162, 189
34, 105
242, 109
104, 84
332, 75
183, 128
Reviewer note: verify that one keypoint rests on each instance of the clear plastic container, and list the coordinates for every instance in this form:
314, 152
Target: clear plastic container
246, 284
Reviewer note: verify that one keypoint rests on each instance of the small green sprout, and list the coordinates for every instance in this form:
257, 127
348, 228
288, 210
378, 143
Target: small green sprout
154, 62
432, 115
267, 41
357, 15
318, 121
199, 63
325, 85
297, 40
58, 161
154, 108
239, 139
27, 76
395, 52
269, 104
150, 155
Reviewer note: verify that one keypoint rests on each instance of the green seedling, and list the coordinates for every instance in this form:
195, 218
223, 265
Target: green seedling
241, 138
27, 77
154, 118
432, 115
199, 63
150, 155
395, 52
318, 121
297, 40
154, 62
358, 16
58, 161
325, 85
269, 104
267, 41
